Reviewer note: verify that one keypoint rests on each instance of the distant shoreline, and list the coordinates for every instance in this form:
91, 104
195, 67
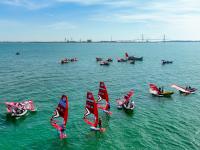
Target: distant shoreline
97, 41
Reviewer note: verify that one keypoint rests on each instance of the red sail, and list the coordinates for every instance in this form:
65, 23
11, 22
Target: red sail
103, 96
128, 96
154, 88
61, 111
26, 105
180, 89
91, 108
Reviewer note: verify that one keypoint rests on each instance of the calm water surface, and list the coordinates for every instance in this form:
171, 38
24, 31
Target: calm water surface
157, 123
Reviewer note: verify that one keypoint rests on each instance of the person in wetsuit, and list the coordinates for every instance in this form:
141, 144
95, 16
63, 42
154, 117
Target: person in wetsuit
20, 109
62, 128
162, 89
100, 123
127, 103
108, 106
159, 89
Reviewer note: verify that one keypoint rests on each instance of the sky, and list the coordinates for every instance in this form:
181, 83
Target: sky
53, 20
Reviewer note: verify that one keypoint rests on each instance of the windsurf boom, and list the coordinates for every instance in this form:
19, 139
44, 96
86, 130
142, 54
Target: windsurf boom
61, 112
103, 97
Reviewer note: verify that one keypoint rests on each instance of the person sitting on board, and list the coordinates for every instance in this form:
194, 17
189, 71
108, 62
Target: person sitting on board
100, 123
131, 104
162, 89
20, 109
159, 90
14, 110
127, 103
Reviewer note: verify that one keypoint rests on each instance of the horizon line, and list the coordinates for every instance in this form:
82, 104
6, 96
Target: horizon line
103, 41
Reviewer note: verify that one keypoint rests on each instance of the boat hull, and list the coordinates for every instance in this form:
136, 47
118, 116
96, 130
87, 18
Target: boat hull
98, 129
131, 108
164, 94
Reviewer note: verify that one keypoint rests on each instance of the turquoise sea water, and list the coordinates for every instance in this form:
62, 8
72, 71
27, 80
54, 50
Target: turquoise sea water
157, 123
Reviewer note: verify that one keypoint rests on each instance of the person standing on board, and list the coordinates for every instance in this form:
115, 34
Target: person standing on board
100, 123
62, 128
108, 106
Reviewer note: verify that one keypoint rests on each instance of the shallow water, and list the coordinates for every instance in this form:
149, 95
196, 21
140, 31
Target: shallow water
157, 123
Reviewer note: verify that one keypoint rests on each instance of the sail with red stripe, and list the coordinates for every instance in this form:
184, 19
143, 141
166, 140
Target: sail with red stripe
59, 119
103, 98
184, 90
154, 89
91, 111
126, 98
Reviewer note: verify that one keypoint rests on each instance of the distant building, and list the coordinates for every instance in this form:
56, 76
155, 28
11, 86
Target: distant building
89, 41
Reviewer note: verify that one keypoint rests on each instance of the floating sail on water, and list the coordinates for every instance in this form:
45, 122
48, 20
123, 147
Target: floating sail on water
18, 109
